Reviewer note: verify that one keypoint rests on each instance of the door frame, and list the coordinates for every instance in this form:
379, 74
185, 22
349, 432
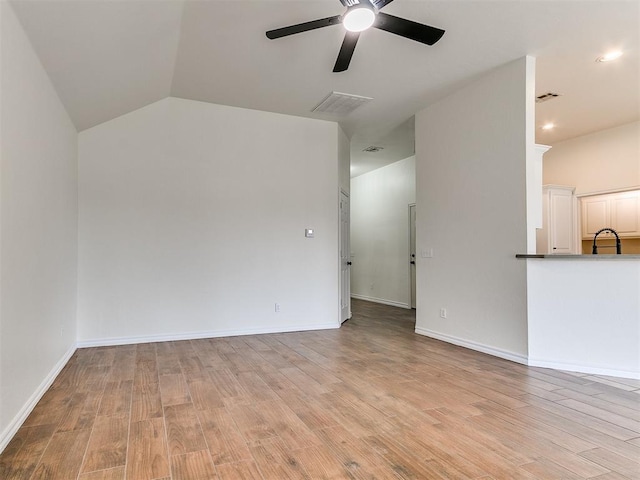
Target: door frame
412, 282
347, 255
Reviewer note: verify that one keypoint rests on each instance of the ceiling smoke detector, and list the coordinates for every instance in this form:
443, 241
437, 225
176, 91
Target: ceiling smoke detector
373, 149
337, 103
545, 97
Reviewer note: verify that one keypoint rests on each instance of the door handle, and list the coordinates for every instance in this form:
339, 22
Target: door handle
413, 262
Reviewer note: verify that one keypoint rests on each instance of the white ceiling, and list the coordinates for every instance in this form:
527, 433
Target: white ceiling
110, 57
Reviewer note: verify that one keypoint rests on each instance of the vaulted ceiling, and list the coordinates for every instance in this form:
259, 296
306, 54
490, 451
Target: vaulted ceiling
109, 57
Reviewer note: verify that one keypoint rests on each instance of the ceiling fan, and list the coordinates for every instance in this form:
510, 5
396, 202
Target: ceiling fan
360, 15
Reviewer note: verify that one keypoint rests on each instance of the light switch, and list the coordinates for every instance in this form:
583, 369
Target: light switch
308, 232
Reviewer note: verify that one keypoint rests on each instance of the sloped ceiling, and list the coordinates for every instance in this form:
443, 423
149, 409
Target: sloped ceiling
110, 57
105, 58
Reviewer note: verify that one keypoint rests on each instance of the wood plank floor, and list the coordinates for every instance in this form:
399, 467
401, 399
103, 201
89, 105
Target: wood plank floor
371, 400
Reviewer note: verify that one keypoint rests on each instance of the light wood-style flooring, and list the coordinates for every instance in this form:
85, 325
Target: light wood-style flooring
371, 400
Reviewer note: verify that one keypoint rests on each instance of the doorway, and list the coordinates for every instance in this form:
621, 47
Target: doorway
412, 253
345, 258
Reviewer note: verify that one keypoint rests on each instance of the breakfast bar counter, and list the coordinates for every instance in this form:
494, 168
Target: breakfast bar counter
579, 257
584, 316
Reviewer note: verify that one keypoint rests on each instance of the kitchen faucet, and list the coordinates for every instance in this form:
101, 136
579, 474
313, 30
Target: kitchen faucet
606, 229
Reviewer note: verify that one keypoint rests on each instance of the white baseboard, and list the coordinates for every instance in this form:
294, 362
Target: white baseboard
393, 303
18, 420
531, 362
112, 341
479, 347
590, 369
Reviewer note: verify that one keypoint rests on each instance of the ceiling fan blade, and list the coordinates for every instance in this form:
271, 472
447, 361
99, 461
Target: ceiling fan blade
346, 51
303, 27
408, 29
380, 3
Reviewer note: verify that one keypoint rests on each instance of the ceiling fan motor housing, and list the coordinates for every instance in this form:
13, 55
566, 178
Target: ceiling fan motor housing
351, 3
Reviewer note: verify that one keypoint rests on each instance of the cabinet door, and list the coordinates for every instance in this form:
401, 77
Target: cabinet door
595, 215
561, 222
625, 213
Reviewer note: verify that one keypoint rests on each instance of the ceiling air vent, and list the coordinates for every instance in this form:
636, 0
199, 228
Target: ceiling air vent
337, 103
545, 97
373, 149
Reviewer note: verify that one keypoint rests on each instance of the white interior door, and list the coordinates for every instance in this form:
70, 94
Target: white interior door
412, 252
345, 259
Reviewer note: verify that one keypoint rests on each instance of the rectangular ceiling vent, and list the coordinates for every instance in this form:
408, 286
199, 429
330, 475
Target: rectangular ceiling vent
337, 103
545, 97
373, 149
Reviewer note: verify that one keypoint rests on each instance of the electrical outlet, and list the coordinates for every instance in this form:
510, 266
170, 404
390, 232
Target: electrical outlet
277, 307
443, 313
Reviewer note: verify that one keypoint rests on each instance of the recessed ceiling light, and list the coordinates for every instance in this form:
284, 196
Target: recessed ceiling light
609, 56
548, 126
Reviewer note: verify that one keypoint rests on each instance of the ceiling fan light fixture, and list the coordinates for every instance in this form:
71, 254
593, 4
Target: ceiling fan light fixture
358, 19
359, 16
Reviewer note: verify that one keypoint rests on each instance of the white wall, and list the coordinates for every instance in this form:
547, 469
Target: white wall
192, 220
605, 160
38, 226
344, 161
584, 315
471, 153
380, 233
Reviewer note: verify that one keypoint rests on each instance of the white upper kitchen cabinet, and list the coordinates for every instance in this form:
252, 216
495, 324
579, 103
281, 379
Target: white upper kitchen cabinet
620, 211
